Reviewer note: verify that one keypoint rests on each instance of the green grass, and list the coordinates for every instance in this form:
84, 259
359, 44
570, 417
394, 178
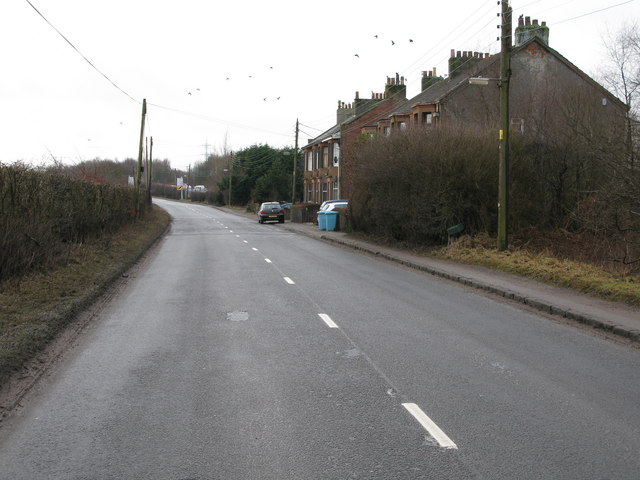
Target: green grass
36, 308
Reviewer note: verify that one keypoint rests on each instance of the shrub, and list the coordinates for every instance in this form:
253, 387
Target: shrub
41, 212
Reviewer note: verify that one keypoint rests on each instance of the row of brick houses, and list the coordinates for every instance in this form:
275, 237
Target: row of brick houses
543, 83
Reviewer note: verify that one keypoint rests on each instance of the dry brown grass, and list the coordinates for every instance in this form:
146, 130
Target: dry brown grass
35, 309
539, 263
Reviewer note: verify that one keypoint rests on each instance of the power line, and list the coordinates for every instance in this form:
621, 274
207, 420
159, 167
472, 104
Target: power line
217, 120
593, 12
80, 53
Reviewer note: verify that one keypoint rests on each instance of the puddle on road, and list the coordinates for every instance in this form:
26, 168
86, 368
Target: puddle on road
238, 316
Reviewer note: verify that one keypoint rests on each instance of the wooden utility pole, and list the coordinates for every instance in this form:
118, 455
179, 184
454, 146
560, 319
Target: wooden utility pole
295, 162
149, 167
144, 114
503, 180
230, 177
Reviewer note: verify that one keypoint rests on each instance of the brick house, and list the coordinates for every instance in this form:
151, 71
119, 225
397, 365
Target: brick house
545, 89
326, 155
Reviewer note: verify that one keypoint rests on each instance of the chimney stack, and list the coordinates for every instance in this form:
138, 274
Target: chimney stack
527, 29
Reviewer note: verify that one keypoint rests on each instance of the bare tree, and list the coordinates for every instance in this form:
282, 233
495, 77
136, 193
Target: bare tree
621, 75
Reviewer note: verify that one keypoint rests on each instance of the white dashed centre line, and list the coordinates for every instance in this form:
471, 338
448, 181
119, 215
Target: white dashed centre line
430, 426
267, 260
327, 319
245, 241
254, 249
289, 281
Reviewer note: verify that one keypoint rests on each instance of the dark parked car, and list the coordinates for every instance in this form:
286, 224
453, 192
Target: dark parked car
270, 212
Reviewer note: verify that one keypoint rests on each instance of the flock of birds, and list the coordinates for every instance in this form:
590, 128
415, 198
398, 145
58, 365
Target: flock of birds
190, 93
392, 43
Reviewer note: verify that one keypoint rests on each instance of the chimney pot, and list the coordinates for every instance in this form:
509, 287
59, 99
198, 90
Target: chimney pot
453, 53
458, 53
535, 22
521, 21
357, 95
544, 24
434, 71
527, 21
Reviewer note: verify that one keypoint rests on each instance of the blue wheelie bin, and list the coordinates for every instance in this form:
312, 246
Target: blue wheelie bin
331, 220
322, 220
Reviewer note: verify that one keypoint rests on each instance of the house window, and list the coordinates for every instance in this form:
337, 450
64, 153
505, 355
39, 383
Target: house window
325, 187
336, 154
325, 157
309, 161
336, 192
386, 131
316, 158
309, 192
427, 118
402, 125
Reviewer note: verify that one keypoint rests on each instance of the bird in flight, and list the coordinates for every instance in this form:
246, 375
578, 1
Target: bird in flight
356, 55
392, 42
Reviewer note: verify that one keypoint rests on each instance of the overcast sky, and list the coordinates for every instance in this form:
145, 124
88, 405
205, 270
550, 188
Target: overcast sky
238, 71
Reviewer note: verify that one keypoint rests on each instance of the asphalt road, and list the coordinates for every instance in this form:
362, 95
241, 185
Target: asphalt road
243, 351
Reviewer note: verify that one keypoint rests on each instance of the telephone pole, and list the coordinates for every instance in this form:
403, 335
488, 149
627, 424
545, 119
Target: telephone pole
139, 172
149, 167
503, 175
295, 162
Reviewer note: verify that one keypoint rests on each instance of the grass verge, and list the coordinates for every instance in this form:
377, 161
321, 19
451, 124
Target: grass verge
36, 308
546, 268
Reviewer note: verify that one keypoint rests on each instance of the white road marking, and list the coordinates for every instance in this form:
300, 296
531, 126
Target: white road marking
327, 319
430, 426
289, 281
245, 241
237, 236
267, 260
254, 249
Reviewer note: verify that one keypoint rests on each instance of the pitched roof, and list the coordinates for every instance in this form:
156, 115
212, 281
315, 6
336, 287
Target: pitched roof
440, 90
333, 132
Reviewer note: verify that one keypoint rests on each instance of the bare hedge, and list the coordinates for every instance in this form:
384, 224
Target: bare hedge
40, 212
410, 187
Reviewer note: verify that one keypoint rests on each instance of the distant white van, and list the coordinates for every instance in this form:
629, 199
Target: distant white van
200, 188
